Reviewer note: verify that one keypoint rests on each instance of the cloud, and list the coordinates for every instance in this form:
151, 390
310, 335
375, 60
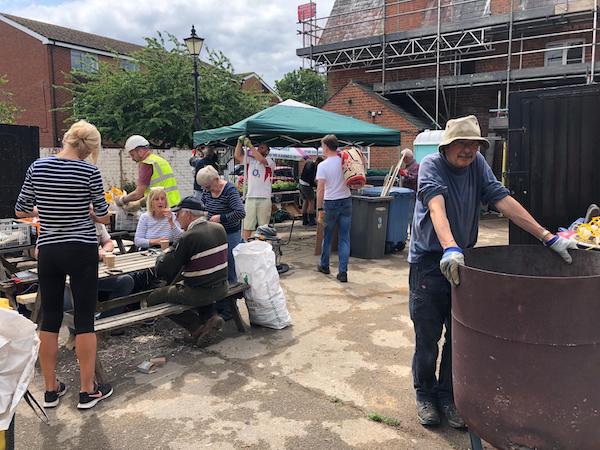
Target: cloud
258, 36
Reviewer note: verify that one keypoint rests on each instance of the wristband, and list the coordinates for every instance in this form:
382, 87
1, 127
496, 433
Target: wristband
453, 249
319, 209
551, 242
544, 234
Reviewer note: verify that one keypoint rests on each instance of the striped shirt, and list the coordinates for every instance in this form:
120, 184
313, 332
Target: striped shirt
62, 190
229, 205
149, 227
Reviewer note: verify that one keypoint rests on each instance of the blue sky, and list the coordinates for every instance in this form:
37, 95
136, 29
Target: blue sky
258, 36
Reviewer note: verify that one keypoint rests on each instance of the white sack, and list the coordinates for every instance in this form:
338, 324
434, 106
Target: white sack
255, 265
19, 345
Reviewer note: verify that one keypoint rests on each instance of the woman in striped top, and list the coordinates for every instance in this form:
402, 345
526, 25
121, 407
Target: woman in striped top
158, 223
63, 187
224, 205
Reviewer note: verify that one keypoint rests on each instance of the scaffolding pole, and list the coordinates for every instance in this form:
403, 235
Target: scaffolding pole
594, 43
383, 46
509, 58
437, 65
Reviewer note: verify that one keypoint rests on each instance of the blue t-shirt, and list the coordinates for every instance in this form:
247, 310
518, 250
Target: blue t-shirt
463, 190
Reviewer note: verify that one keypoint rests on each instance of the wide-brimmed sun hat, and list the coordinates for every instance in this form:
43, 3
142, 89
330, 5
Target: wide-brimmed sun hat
463, 128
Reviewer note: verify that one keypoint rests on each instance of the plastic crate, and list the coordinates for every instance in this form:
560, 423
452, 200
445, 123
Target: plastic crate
14, 234
126, 221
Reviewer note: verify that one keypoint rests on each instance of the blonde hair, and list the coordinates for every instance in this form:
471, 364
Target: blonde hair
206, 175
83, 137
154, 192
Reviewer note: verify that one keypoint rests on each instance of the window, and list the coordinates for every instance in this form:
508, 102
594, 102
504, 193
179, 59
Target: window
564, 52
84, 62
128, 66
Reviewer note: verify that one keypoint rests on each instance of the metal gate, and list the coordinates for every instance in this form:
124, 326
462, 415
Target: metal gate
19, 147
554, 154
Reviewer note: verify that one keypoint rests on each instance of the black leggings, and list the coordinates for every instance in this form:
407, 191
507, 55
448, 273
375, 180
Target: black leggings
80, 262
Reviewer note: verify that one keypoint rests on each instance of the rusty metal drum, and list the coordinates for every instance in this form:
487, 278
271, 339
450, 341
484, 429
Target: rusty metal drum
526, 347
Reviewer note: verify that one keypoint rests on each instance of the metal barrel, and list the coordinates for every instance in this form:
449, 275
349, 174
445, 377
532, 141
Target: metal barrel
526, 347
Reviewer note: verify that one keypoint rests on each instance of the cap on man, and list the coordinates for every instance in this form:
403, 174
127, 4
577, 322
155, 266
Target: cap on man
153, 171
452, 185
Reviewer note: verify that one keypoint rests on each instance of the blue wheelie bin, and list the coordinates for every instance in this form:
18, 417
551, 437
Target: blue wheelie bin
399, 215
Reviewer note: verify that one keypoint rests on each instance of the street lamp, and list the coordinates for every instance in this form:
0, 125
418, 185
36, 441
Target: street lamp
194, 46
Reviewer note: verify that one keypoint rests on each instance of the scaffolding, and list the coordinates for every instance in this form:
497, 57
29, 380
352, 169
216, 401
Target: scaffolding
427, 45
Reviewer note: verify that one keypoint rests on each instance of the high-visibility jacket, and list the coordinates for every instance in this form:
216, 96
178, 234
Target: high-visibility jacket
162, 175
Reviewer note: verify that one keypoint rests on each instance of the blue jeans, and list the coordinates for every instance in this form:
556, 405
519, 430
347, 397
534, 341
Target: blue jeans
337, 213
429, 305
233, 239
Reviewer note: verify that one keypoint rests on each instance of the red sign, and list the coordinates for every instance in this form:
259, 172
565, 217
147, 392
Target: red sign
307, 11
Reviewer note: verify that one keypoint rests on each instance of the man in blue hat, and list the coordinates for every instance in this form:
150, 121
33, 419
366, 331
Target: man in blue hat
200, 257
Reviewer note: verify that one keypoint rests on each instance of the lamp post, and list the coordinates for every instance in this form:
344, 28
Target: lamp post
194, 46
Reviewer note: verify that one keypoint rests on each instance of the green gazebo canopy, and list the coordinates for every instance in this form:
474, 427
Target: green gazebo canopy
296, 124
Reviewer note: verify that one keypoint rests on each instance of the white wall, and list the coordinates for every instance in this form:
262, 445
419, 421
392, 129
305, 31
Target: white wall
117, 167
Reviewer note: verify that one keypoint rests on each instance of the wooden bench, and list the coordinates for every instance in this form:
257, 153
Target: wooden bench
236, 291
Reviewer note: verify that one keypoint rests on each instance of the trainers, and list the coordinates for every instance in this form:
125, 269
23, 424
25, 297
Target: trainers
52, 398
324, 270
427, 413
454, 418
206, 334
343, 277
88, 400
592, 211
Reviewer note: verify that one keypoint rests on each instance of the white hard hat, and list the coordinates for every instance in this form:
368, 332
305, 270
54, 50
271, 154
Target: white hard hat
135, 141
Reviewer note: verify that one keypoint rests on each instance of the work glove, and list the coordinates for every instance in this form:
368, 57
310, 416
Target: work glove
241, 139
403, 172
451, 259
561, 246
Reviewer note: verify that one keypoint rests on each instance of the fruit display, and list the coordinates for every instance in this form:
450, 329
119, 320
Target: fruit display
285, 186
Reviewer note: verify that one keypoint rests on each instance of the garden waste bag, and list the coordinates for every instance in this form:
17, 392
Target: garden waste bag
19, 345
255, 265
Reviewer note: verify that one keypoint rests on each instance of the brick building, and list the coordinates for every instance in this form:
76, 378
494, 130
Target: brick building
35, 56
251, 81
438, 59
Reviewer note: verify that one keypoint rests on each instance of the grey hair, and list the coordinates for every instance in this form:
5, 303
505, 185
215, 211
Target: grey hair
407, 151
194, 212
206, 175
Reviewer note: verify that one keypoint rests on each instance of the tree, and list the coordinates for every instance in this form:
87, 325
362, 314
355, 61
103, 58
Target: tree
303, 85
157, 101
8, 110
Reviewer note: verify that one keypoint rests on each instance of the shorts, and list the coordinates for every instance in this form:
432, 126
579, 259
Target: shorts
258, 212
307, 192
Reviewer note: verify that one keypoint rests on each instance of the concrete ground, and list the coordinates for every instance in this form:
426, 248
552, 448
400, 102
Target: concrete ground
311, 386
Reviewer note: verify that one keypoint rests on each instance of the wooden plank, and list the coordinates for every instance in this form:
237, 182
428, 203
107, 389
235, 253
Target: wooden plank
27, 299
129, 318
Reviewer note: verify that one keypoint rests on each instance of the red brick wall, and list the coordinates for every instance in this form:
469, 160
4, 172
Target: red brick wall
353, 101
25, 62
255, 84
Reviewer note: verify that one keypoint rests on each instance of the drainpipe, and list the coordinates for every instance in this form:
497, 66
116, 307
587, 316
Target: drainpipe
53, 95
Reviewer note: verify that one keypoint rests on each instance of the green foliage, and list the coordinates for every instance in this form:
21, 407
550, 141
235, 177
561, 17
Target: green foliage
157, 101
304, 86
376, 417
8, 110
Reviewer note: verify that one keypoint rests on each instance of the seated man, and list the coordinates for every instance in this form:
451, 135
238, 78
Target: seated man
200, 256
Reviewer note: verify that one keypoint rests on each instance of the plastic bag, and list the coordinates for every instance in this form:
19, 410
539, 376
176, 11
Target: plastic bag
265, 300
353, 167
19, 345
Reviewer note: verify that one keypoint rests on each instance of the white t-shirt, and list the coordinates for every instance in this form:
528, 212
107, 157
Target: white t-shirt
259, 176
331, 171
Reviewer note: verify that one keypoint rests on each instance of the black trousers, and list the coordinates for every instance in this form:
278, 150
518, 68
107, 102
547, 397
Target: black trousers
80, 262
429, 304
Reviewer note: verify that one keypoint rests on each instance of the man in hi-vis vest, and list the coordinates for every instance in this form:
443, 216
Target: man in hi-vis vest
153, 171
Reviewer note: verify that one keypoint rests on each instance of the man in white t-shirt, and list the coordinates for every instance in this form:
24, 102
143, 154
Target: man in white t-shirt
258, 173
334, 205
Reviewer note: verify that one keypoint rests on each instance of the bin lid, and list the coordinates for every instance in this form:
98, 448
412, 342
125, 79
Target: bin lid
429, 137
372, 199
394, 191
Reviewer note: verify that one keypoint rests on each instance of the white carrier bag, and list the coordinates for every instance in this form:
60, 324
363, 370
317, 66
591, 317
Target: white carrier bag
255, 265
